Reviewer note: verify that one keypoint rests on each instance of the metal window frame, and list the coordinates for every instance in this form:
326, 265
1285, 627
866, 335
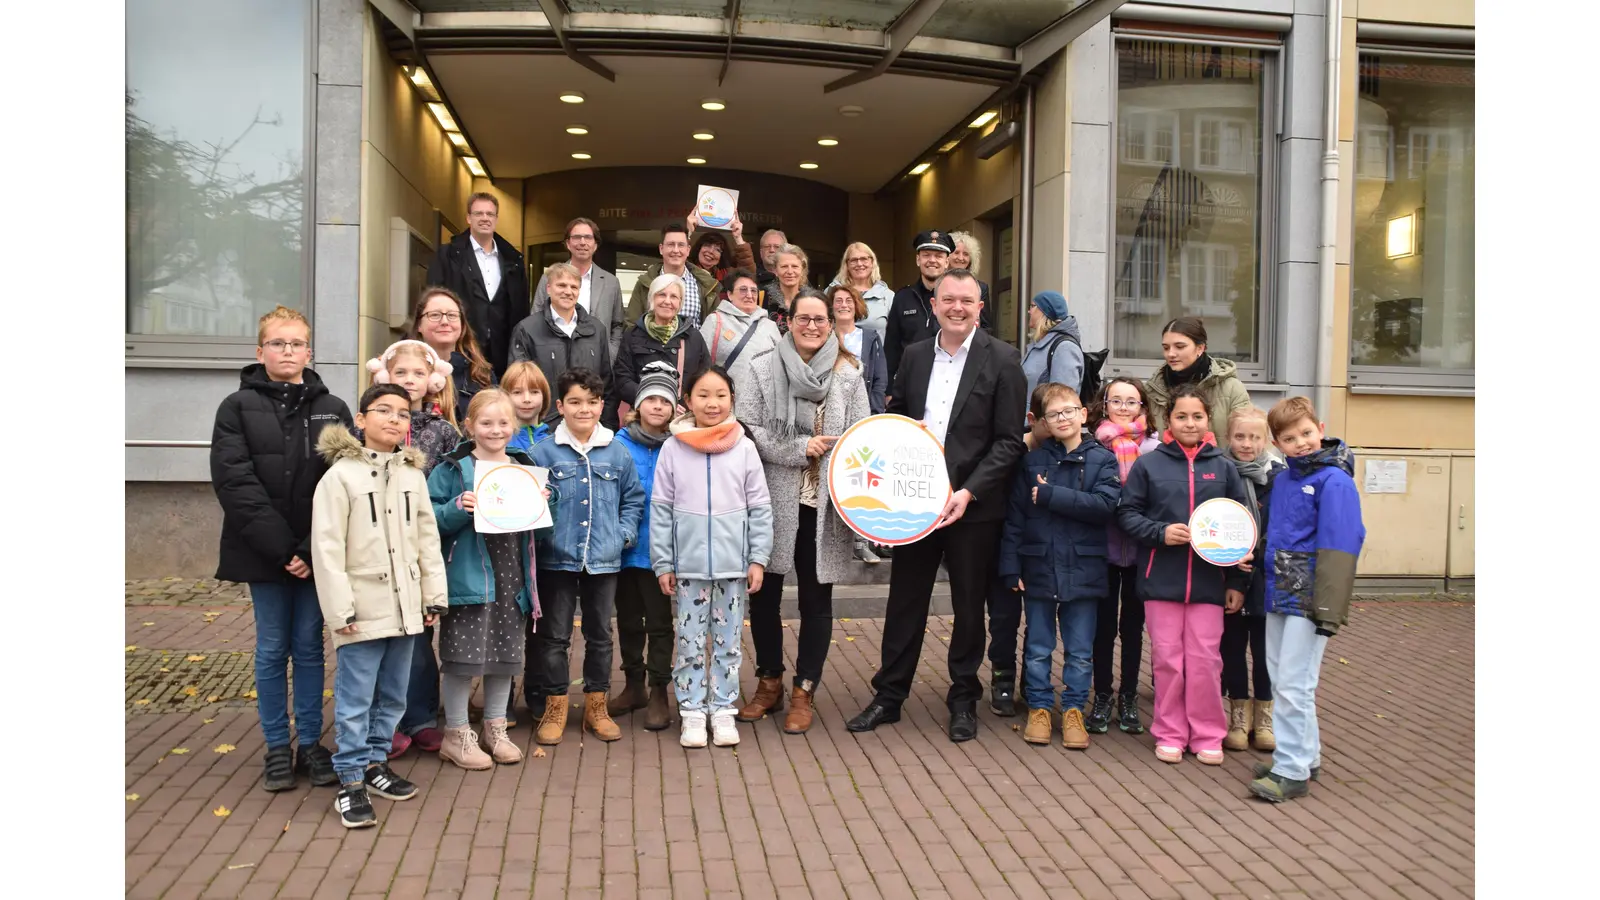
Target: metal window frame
1406, 380
167, 351
1263, 370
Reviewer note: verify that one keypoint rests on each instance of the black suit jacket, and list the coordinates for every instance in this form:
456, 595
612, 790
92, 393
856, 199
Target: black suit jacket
984, 441
492, 319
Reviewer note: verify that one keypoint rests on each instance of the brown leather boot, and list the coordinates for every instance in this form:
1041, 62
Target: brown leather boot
658, 714
768, 699
554, 720
801, 710
595, 718
630, 698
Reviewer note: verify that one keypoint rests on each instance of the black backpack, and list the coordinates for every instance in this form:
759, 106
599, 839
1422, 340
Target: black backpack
1090, 388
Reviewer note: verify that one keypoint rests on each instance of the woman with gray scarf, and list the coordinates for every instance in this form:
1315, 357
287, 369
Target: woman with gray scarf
803, 394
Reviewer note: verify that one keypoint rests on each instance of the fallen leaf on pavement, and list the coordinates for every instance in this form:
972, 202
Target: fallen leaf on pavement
147, 624
327, 693
194, 657
132, 797
142, 701
213, 698
207, 721
242, 866
538, 753
222, 812
224, 748
1016, 727
190, 691
1343, 661
1380, 715
165, 669
286, 826
130, 648
844, 620
249, 695
179, 751
849, 638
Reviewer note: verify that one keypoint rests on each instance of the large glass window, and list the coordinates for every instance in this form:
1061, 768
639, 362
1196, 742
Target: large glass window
216, 137
1412, 260
1189, 195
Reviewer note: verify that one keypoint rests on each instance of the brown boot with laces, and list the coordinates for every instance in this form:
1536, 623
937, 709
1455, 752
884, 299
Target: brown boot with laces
801, 709
554, 720
768, 699
595, 718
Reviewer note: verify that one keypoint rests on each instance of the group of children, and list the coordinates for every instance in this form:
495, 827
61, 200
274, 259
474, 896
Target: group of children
1091, 509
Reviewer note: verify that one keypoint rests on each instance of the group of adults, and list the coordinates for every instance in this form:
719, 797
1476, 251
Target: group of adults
806, 364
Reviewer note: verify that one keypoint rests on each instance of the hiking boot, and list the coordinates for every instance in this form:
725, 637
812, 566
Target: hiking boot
658, 712
1003, 694
461, 747
596, 719
801, 710
316, 763
1264, 738
1039, 728
428, 740
1099, 719
693, 733
1238, 725
631, 697
1262, 769
499, 744
865, 554
279, 769
1128, 714
724, 728
554, 720
1073, 734
768, 699
1277, 789
354, 807
381, 780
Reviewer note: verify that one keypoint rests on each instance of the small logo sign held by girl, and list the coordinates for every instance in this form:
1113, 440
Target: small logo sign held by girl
1222, 531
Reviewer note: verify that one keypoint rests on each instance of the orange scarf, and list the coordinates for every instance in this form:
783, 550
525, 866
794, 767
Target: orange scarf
716, 439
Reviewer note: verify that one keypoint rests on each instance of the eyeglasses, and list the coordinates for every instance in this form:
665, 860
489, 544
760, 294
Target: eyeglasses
401, 415
277, 346
745, 289
1124, 404
859, 259
437, 316
1062, 414
809, 321
581, 238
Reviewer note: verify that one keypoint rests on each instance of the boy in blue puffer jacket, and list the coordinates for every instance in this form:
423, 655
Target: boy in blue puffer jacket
1314, 538
1053, 549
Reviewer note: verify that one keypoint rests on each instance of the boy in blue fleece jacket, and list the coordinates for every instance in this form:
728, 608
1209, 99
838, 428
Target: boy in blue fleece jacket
1314, 537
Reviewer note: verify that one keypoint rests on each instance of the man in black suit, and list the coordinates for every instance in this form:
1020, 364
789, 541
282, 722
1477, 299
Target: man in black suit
968, 390
488, 274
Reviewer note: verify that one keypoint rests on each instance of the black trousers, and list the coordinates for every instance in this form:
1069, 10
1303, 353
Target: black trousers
1107, 627
1239, 630
816, 612
1005, 618
644, 619
967, 550
546, 671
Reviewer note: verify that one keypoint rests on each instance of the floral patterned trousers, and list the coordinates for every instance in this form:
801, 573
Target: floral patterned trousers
707, 678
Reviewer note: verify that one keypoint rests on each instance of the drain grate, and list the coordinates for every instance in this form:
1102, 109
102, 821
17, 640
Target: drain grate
191, 680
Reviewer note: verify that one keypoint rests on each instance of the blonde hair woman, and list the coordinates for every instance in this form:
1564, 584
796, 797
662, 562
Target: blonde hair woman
859, 270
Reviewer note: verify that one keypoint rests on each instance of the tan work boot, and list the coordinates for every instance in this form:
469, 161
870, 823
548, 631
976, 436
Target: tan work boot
1039, 728
461, 747
630, 698
1073, 735
499, 744
595, 718
554, 720
768, 699
1238, 725
801, 711
1265, 740
658, 713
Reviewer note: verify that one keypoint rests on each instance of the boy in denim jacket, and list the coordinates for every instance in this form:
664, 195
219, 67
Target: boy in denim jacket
596, 501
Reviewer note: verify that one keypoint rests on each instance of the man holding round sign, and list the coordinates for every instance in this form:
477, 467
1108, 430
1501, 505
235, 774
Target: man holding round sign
968, 391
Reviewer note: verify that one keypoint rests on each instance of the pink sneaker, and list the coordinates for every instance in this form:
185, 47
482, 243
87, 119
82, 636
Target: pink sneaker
429, 740
401, 744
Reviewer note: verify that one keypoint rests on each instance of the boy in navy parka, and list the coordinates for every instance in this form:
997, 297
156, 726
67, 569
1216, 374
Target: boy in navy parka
1314, 538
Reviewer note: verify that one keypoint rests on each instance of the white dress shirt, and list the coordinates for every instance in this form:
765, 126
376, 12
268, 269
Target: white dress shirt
566, 326
584, 282
488, 264
942, 384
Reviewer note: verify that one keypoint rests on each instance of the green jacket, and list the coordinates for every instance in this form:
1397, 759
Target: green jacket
639, 302
1223, 390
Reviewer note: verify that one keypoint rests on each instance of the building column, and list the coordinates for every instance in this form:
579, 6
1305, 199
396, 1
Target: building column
336, 258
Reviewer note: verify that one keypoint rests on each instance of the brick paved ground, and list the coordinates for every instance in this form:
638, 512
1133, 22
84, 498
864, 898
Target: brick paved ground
896, 814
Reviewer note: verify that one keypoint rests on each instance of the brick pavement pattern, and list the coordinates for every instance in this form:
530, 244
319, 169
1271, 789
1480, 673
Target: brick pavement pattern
900, 813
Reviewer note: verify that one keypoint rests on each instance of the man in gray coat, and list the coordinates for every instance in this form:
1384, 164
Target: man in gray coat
599, 294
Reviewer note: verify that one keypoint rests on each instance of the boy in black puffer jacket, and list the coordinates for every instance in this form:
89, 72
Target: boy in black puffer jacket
265, 469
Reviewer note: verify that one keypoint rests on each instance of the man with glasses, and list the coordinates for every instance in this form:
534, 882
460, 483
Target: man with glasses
488, 274
599, 293
699, 286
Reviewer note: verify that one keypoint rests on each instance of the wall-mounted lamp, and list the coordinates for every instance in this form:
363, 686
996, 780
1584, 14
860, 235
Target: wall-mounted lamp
1402, 236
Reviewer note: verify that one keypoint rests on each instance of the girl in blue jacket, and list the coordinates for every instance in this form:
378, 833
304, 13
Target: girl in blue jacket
491, 585
1183, 594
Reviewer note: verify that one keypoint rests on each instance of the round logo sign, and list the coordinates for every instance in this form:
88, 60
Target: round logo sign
503, 498
716, 208
887, 479
1222, 531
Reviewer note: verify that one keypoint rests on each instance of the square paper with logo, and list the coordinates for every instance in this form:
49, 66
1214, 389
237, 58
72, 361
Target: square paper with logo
510, 498
716, 207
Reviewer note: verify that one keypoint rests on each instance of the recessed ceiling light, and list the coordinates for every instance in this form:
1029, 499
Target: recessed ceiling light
577, 129
713, 104
475, 166
851, 111
703, 135
827, 142
571, 97
457, 138
808, 164
442, 113
697, 161
947, 146
581, 155
919, 168
983, 119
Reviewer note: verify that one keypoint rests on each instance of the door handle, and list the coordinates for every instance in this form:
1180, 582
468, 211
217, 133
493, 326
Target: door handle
1461, 517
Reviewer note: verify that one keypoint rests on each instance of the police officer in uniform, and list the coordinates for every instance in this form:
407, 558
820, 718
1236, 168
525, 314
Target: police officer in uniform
911, 314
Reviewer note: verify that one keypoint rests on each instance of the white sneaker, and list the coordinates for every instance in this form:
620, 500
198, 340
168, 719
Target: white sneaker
724, 728
694, 730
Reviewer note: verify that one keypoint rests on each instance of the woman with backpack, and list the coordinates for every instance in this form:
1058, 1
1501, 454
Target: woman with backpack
1055, 348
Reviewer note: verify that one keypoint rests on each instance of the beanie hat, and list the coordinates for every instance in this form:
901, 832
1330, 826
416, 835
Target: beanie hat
1052, 304
659, 380
439, 369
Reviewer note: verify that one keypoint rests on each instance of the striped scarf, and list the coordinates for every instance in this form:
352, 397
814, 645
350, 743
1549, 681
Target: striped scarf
1124, 441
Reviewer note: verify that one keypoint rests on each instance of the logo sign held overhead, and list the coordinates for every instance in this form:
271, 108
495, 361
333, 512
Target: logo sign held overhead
887, 479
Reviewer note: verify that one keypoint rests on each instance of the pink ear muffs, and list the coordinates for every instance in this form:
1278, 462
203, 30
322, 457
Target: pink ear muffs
379, 367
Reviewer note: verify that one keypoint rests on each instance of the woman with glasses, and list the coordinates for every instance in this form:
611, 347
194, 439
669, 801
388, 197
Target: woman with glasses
860, 270
1055, 348
802, 395
738, 330
439, 321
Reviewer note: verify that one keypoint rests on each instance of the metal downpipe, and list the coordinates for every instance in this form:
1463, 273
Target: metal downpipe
1327, 249
1024, 280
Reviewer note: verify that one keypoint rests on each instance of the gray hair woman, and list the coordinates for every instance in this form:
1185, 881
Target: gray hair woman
803, 395
739, 329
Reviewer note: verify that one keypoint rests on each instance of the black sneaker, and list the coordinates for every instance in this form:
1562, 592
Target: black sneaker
381, 780
279, 774
1128, 714
316, 763
1099, 719
354, 807
1003, 694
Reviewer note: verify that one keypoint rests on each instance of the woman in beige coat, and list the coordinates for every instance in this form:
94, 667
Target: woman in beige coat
1183, 345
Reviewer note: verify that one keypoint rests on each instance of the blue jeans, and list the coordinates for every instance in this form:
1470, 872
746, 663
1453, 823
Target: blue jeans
1076, 619
369, 695
288, 626
1294, 660
422, 695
